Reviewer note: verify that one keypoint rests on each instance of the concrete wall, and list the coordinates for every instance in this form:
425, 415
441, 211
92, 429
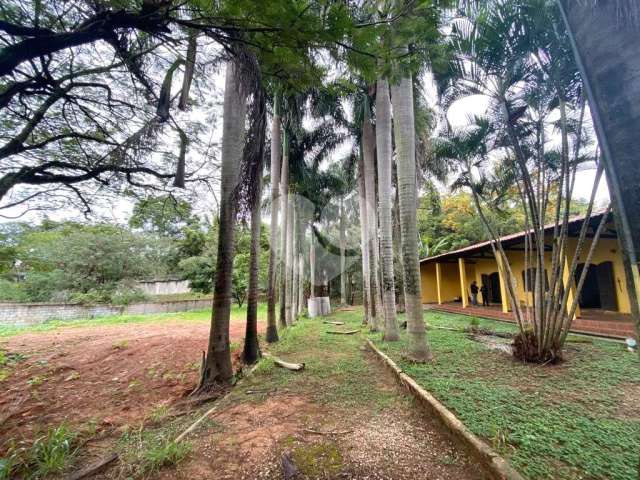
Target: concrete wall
165, 287
21, 314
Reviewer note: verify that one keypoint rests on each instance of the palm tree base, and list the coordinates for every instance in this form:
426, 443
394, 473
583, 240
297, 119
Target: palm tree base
272, 334
418, 357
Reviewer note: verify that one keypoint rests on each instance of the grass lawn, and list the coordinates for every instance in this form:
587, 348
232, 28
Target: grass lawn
195, 315
577, 420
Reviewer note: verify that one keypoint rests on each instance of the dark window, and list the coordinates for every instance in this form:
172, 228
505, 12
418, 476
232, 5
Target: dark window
529, 280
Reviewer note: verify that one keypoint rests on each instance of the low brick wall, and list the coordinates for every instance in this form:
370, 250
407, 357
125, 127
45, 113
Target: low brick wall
22, 314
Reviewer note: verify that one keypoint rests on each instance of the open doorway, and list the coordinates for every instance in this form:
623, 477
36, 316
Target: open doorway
599, 289
492, 282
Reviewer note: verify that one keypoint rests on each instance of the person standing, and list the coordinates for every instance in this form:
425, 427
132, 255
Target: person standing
474, 293
484, 290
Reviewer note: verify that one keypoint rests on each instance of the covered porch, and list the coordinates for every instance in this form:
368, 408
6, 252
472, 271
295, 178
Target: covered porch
603, 304
591, 322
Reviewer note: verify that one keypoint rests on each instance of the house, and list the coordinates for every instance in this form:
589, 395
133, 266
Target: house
604, 306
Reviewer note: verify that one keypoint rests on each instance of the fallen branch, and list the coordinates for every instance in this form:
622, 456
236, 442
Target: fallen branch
195, 424
95, 468
347, 332
317, 432
289, 366
333, 323
256, 392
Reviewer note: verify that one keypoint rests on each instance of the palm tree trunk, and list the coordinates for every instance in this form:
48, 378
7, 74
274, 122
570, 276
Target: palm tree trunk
300, 279
276, 149
294, 266
284, 197
397, 254
343, 260
251, 351
606, 49
383, 143
312, 266
288, 267
217, 365
364, 240
368, 143
292, 263
404, 128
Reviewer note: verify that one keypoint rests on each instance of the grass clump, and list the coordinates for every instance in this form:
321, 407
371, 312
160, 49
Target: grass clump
50, 454
165, 454
144, 452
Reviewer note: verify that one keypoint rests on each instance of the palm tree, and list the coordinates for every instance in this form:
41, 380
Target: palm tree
251, 350
605, 39
294, 265
516, 55
284, 202
368, 155
343, 262
383, 156
301, 278
276, 150
404, 130
364, 243
217, 365
288, 262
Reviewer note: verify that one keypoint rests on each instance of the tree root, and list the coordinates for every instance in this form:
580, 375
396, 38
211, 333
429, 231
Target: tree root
95, 468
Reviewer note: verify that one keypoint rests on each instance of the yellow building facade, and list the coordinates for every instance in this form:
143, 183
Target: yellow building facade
447, 278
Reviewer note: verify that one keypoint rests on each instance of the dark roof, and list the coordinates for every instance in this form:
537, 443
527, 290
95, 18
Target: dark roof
511, 239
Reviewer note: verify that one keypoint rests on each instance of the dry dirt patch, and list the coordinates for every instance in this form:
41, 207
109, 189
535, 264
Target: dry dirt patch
99, 377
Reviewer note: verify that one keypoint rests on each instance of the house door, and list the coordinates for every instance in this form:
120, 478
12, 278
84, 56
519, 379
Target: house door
607, 286
589, 296
494, 288
599, 289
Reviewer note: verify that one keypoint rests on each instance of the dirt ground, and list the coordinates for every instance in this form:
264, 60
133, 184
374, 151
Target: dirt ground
343, 417
398, 443
100, 377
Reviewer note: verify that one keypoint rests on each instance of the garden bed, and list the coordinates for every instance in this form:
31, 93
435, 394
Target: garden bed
578, 419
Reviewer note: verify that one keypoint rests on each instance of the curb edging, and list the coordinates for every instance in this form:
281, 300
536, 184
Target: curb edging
495, 465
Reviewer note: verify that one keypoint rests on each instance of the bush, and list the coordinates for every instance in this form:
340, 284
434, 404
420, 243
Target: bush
125, 295
12, 292
91, 297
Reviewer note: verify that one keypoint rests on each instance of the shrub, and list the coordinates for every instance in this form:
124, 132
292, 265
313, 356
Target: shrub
125, 294
11, 292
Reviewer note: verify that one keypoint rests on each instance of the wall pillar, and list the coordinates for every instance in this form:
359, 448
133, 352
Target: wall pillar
503, 284
439, 282
463, 283
571, 284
